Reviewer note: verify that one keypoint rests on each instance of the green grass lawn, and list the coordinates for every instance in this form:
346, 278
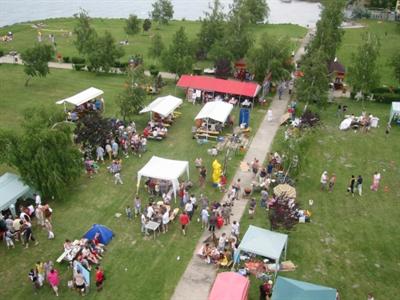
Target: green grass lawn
26, 36
351, 243
389, 37
152, 268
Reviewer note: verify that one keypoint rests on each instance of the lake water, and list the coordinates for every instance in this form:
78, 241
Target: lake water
15, 11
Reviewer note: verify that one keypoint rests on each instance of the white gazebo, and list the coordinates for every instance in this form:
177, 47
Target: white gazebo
83, 97
164, 169
394, 111
163, 106
265, 243
215, 110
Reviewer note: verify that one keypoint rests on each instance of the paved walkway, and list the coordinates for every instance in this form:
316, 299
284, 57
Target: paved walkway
9, 59
196, 282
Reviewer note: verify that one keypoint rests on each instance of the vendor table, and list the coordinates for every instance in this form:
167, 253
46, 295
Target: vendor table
151, 225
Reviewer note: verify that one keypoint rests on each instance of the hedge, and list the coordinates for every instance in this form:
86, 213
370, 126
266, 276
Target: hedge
79, 67
77, 60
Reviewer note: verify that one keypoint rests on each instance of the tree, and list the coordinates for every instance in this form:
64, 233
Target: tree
395, 63
212, 29
156, 46
45, 157
132, 25
36, 61
238, 39
258, 10
223, 68
178, 57
313, 86
364, 72
85, 34
273, 55
329, 33
104, 53
146, 25
163, 11
131, 100
92, 130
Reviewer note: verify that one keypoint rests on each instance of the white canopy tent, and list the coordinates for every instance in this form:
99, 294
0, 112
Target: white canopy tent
163, 106
11, 189
82, 97
215, 110
265, 243
395, 110
164, 169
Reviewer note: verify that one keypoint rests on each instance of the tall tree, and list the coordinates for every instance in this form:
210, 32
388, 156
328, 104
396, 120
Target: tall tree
156, 46
272, 55
105, 53
85, 33
329, 33
146, 25
131, 100
178, 57
45, 157
364, 72
258, 10
238, 39
313, 87
36, 61
163, 11
212, 29
132, 25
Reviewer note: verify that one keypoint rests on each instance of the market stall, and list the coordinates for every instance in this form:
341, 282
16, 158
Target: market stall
394, 111
265, 243
205, 89
90, 99
286, 288
11, 189
163, 106
212, 117
230, 286
164, 169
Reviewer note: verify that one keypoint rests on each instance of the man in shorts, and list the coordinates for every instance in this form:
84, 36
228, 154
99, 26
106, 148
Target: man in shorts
184, 220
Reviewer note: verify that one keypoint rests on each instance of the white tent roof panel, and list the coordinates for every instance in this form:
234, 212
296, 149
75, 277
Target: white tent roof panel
395, 110
11, 189
163, 105
216, 110
82, 97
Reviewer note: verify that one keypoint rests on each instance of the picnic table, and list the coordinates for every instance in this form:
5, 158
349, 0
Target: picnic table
154, 226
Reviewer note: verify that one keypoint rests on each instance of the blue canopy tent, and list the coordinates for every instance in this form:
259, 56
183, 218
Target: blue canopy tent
286, 288
11, 189
105, 233
265, 243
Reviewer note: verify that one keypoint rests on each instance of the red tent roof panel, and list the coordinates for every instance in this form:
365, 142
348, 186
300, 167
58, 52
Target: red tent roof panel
205, 83
230, 286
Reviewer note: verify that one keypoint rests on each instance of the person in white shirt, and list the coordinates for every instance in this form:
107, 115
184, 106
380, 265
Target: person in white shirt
204, 217
222, 242
235, 229
189, 209
38, 200
150, 211
165, 221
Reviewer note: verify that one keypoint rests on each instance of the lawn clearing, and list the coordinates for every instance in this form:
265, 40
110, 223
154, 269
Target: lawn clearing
351, 243
26, 36
389, 37
135, 267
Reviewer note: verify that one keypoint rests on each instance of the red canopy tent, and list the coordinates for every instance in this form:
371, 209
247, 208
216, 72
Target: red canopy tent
226, 86
230, 286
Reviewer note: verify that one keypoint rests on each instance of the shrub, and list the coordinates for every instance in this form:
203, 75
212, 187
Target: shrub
1, 52
386, 90
79, 67
386, 97
77, 60
66, 59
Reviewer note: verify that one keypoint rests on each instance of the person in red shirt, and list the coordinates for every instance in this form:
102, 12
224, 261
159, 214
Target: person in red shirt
99, 278
184, 220
220, 221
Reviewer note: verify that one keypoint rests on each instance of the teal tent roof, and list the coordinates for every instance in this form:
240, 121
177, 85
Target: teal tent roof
263, 242
286, 288
11, 189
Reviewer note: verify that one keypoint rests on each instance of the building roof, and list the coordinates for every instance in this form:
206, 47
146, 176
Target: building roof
336, 66
226, 86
